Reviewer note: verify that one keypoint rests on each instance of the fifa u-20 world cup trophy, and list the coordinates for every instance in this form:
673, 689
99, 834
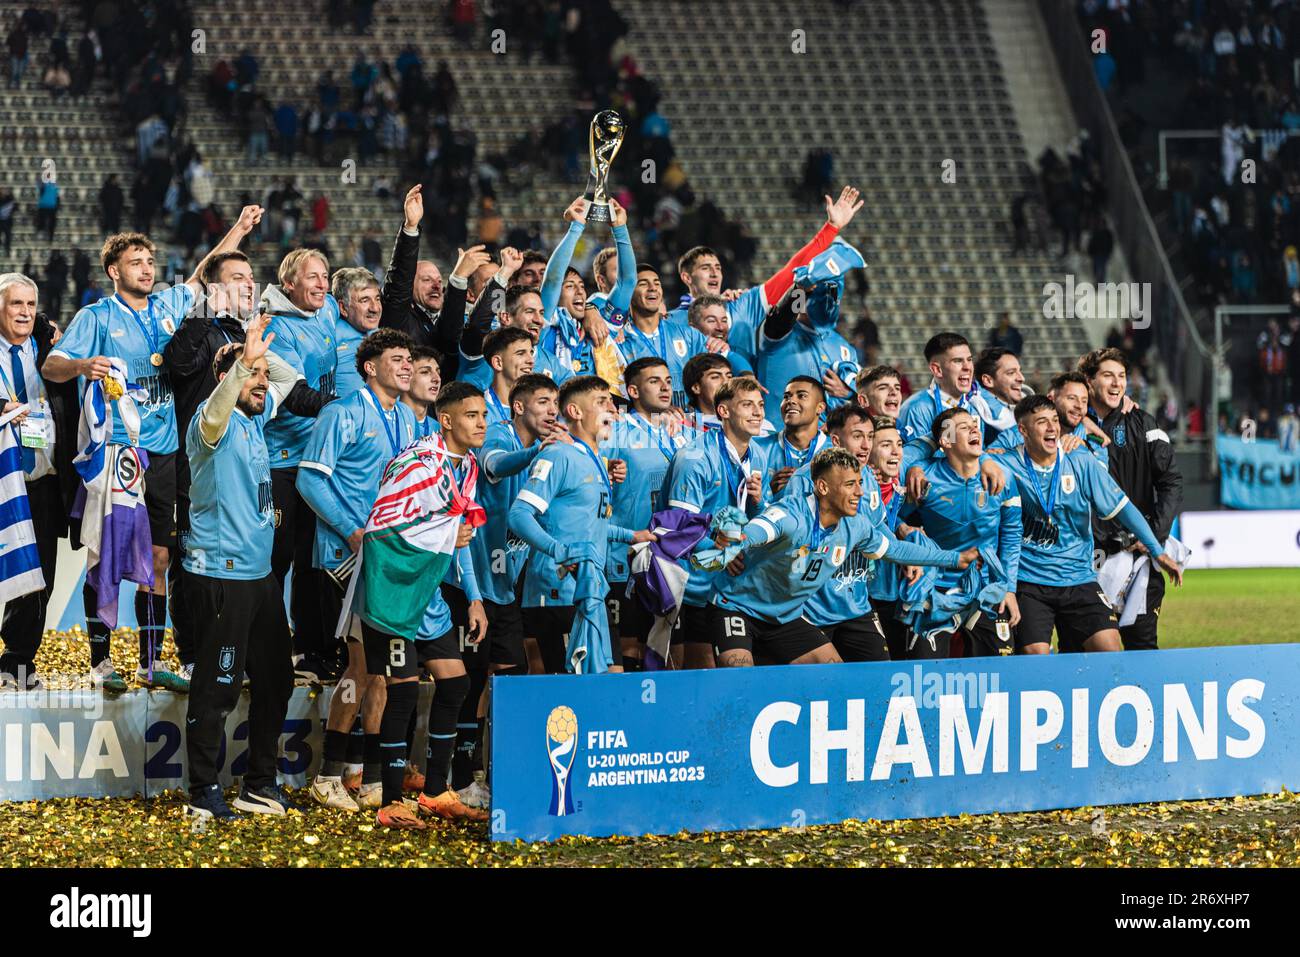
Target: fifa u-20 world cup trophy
607, 130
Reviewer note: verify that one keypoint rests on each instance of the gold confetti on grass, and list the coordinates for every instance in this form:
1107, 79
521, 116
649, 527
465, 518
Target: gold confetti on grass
1243, 832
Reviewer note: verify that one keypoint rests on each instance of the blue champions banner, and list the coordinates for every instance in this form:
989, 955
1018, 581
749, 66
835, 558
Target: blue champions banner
816, 744
1257, 474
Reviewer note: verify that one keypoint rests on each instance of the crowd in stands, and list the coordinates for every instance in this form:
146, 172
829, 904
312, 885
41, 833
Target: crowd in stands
1233, 201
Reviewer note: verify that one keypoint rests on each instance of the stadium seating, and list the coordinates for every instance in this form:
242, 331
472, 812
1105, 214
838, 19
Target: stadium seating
912, 86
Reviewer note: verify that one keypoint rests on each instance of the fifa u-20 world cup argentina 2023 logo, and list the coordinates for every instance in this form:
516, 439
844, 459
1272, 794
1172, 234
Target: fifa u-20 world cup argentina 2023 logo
561, 749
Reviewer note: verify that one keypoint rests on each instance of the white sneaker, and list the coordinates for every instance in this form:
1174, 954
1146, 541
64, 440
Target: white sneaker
105, 677
476, 795
331, 793
370, 796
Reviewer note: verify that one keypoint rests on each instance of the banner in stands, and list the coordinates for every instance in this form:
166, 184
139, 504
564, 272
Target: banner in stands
86, 744
1237, 539
1257, 474
801, 745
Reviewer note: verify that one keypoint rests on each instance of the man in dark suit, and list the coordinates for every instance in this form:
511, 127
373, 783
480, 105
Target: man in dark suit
48, 432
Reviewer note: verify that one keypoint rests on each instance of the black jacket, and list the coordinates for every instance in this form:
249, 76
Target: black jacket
440, 330
66, 411
1142, 464
189, 356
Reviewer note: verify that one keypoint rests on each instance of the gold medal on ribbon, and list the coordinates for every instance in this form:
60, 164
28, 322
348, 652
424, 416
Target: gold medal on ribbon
156, 359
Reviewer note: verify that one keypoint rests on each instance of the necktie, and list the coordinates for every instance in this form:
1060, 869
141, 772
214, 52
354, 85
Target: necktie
20, 393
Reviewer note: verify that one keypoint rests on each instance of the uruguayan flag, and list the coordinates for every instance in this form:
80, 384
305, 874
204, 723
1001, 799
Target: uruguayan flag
114, 520
20, 562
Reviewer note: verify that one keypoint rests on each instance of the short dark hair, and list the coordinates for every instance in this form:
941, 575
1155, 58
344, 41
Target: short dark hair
700, 303
882, 422
987, 362
697, 367
515, 294
833, 457
526, 386
499, 340
212, 268
689, 258
454, 393
1058, 382
419, 353
379, 342
575, 273
808, 379
646, 267
532, 256
875, 374
1090, 364
941, 343
1032, 404
941, 421
115, 245
580, 385
840, 416
637, 366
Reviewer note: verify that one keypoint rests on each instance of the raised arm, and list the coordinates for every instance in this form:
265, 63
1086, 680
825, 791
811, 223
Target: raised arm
249, 217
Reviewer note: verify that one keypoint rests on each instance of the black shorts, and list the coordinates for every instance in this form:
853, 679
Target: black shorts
506, 635
859, 639
693, 626
895, 630
395, 657
986, 637
627, 616
160, 498
475, 655
733, 630
1076, 611
550, 626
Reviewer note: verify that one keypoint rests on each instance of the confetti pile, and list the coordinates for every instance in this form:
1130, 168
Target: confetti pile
1260, 831
64, 659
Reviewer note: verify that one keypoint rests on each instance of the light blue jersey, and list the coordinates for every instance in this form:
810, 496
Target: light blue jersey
746, 312
810, 352
1009, 439
791, 557
478, 373
673, 342
343, 464
848, 593
703, 478
1056, 509
232, 518
112, 328
499, 554
780, 454
568, 494
307, 344
960, 513
497, 411
346, 377
427, 426
647, 449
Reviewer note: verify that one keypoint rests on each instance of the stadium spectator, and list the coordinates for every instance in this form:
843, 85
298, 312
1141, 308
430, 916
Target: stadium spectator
111, 202
56, 283
47, 207
1006, 336
17, 42
8, 209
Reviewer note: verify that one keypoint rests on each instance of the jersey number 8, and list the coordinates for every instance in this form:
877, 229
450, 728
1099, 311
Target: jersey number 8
397, 652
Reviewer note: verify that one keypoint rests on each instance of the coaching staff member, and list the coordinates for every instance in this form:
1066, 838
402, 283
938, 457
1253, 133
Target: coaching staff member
238, 618
414, 298
1142, 464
